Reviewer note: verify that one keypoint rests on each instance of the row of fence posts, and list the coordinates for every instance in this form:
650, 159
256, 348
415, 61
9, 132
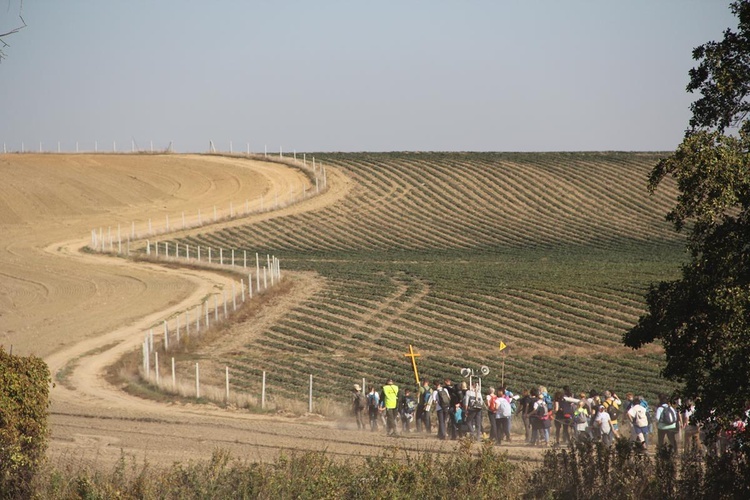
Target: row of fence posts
203, 313
226, 392
118, 240
272, 270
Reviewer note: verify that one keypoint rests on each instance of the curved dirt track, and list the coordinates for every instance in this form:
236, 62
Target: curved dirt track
81, 311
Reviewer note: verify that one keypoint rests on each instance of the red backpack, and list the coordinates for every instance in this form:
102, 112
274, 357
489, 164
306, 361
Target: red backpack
493, 403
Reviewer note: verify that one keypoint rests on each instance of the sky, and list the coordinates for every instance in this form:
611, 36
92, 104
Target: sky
351, 75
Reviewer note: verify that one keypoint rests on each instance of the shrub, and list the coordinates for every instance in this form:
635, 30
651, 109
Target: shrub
24, 400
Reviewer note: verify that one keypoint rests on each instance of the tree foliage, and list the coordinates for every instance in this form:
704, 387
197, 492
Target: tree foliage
703, 318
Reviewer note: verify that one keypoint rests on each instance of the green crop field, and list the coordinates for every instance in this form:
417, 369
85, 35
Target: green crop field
550, 253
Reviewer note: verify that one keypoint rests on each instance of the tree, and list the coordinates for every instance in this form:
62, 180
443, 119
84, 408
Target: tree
15, 29
703, 318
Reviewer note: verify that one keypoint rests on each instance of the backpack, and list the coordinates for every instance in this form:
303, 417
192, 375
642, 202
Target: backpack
613, 411
475, 403
541, 410
493, 403
567, 408
427, 396
668, 416
361, 401
581, 418
372, 401
410, 406
445, 399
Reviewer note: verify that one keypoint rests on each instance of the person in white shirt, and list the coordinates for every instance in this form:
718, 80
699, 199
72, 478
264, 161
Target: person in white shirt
639, 419
503, 415
604, 423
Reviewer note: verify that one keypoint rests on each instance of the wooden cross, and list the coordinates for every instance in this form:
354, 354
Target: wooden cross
411, 354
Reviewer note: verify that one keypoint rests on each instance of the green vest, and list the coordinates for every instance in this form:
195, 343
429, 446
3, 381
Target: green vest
390, 396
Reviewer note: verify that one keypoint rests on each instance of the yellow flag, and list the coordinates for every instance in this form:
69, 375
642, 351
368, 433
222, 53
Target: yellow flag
502, 345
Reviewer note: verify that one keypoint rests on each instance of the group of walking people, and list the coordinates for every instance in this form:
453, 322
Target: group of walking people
461, 409
455, 410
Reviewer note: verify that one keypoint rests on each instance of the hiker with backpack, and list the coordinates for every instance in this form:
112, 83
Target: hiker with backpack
639, 419
373, 408
503, 414
474, 406
491, 409
424, 407
581, 418
441, 401
359, 404
540, 419
666, 422
612, 404
406, 408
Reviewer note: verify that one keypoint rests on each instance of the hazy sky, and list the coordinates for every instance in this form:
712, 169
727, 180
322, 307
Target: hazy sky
495, 75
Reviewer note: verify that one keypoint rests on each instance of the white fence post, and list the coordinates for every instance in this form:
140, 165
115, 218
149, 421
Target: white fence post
174, 377
310, 403
145, 356
197, 382
166, 336
156, 367
263, 392
257, 272
227, 380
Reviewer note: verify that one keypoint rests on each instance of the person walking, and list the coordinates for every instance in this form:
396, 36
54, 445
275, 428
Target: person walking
639, 421
603, 422
456, 398
581, 419
389, 401
666, 423
359, 404
373, 408
525, 405
441, 401
491, 410
406, 408
502, 418
424, 407
472, 402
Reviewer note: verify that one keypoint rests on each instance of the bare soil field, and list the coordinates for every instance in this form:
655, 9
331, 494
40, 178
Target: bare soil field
81, 311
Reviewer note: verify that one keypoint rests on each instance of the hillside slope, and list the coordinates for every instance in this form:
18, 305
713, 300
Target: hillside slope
550, 253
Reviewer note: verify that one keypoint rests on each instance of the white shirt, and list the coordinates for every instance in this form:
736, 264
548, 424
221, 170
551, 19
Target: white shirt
603, 419
436, 398
637, 414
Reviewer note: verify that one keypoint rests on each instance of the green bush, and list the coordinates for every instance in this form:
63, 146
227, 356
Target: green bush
482, 473
24, 400
591, 470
